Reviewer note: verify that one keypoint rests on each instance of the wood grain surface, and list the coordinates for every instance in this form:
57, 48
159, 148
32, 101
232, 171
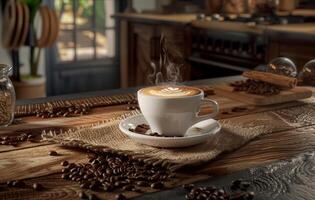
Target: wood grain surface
30, 160
292, 179
284, 96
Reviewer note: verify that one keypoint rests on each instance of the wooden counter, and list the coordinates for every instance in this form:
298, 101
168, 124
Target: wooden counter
157, 18
305, 28
31, 161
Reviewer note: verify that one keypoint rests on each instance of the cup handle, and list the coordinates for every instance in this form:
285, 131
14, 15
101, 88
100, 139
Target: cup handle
215, 107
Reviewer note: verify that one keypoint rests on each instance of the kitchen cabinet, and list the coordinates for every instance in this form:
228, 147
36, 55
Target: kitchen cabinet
210, 48
140, 45
298, 47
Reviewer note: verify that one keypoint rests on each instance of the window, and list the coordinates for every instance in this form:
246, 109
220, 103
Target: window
87, 31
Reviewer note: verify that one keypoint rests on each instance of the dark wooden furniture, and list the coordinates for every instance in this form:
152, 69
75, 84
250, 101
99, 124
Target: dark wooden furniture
140, 44
213, 48
31, 161
296, 43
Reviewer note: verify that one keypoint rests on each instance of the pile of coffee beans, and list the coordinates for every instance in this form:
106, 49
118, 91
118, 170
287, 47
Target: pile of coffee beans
111, 172
255, 87
83, 195
133, 105
239, 191
16, 183
143, 128
66, 111
17, 139
22, 184
236, 109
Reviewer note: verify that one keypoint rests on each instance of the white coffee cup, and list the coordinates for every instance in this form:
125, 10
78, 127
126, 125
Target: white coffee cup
172, 113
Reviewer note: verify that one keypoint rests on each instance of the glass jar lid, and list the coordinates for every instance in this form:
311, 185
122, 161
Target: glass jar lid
5, 69
283, 66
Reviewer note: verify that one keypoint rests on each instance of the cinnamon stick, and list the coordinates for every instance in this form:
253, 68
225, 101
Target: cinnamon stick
275, 79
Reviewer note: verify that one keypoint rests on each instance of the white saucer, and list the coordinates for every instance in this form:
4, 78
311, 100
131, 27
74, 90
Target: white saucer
196, 134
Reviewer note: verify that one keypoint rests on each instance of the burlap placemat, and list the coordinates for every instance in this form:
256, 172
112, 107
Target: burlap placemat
235, 132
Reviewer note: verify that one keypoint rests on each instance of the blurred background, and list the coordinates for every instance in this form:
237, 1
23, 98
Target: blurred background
70, 46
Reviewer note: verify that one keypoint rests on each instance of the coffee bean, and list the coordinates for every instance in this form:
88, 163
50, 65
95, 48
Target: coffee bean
142, 183
251, 195
71, 165
18, 183
85, 185
93, 186
10, 183
108, 188
30, 137
65, 176
65, 163
53, 153
5, 138
234, 187
237, 182
37, 186
188, 186
220, 198
120, 197
157, 185
82, 195
65, 170
245, 184
127, 187
109, 171
221, 192
136, 190
93, 197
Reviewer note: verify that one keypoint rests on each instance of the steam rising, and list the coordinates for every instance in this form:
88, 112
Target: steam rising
169, 68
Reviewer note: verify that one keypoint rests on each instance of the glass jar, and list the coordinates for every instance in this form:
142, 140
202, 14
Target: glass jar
307, 75
283, 66
7, 96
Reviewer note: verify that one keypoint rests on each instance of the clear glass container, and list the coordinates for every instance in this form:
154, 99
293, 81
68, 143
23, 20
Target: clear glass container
7, 96
307, 75
283, 66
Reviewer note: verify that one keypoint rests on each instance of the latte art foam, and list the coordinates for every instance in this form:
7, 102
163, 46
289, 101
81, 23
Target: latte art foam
170, 91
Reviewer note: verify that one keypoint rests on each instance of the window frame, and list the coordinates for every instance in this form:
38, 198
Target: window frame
51, 54
93, 29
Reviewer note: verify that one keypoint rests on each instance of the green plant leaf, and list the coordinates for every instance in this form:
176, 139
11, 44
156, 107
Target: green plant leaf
33, 6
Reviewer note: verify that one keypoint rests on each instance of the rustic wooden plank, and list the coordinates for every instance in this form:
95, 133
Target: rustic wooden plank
265, 149
55, 187
36, 126
294, 94
96, 115
35, 161
286, 180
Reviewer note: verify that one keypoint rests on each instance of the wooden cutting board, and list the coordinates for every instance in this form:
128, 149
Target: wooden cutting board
284, 96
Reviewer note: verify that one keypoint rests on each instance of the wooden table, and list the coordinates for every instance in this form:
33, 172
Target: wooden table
30, 161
